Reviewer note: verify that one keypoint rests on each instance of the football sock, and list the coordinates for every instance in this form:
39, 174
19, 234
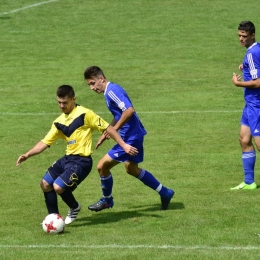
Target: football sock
51, 202
107, 185
69, 199
248, 160
149, 180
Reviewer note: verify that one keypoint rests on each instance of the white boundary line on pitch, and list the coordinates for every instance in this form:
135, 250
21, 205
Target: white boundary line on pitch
29, 6
138, 112
196, 247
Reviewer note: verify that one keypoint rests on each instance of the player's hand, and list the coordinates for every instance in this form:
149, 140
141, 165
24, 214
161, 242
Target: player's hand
236, 78
130, 150
101, 140
106, 134
21, 159
240, 67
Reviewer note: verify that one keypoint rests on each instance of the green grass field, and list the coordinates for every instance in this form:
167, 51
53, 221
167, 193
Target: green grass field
175, 59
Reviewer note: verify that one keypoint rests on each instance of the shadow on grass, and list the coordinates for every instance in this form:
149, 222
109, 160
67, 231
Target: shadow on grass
108, 215
5, 17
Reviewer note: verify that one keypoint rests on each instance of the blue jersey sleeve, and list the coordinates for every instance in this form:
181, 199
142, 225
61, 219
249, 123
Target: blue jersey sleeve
118, 97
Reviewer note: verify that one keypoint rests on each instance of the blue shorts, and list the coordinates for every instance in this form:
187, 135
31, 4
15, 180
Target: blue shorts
251, 118
118, 154
69, 171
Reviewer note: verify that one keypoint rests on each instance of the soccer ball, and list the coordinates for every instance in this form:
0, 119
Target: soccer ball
53, 224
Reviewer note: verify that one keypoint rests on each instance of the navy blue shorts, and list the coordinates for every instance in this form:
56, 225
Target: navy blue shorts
69, 171
118, 154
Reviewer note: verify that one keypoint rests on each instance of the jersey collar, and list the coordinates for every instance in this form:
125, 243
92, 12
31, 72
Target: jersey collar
106, 87
252, 45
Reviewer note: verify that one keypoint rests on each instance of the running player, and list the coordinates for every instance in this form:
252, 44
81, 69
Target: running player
132, 132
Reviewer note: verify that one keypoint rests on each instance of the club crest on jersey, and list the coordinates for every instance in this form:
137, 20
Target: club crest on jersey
72, 142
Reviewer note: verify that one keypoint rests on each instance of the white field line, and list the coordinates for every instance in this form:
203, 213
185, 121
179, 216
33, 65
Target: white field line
196, 247
138, 112
28, 6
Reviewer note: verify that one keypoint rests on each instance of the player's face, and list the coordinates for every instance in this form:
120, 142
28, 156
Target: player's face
245, 38
66, 104
97, 84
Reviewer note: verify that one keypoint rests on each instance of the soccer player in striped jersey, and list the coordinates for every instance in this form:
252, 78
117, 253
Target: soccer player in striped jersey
126, 121
250, 121
75, 125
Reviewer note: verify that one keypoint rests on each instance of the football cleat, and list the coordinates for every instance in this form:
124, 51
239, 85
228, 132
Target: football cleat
72, 215
103, 203
244, 186
165, 200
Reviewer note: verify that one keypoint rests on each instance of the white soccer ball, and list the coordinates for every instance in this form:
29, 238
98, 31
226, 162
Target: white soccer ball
53, 224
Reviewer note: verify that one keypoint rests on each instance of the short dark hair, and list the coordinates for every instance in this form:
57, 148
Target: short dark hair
65, 90
247, 26
93, 71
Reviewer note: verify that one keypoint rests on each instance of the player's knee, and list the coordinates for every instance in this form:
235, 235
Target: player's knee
58, 189
45, 186
101, 167
134, 171
244, 141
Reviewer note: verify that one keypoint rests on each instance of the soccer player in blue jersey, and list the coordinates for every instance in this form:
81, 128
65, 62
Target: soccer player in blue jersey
126, 121
75, 125
250, 121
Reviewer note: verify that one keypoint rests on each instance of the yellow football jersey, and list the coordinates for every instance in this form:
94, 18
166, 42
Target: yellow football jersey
76, 129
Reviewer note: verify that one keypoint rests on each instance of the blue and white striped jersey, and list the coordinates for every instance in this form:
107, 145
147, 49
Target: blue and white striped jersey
117, 102
251, 71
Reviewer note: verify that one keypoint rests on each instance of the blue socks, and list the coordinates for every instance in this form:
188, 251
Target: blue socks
146, 177
149, 180
248, 160
107, 185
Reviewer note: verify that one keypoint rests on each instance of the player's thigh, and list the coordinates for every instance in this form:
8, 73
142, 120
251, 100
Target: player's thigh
74, 170
106, 163
257, 142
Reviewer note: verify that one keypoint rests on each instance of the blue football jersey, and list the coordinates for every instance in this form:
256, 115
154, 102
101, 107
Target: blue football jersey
117, 102
251, 71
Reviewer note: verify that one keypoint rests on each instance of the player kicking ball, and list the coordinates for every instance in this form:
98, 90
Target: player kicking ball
75, 125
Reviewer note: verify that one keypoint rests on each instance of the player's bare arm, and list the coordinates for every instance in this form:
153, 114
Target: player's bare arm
245, 84
38, 148
126, 115
113, 133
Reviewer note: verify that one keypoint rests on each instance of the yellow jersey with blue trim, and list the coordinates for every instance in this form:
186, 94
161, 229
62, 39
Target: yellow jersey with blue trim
76, 129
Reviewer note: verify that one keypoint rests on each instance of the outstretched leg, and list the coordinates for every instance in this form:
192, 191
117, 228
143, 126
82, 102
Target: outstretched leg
149, 180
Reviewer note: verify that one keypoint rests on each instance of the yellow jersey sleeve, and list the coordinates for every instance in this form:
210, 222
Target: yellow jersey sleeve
95, 122
52, 135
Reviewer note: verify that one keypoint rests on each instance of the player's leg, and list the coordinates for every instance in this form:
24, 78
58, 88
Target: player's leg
49, 193
76, 169
104, 166
248, 151
149, 180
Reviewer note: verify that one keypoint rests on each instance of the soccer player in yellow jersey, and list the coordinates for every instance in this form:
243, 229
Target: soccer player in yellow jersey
75, 125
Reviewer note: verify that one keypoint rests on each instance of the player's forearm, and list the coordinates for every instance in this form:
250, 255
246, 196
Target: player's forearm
126, 115
38, 148
248, 84
114, 134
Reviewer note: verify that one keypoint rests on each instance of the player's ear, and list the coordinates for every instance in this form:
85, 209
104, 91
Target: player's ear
102, 78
